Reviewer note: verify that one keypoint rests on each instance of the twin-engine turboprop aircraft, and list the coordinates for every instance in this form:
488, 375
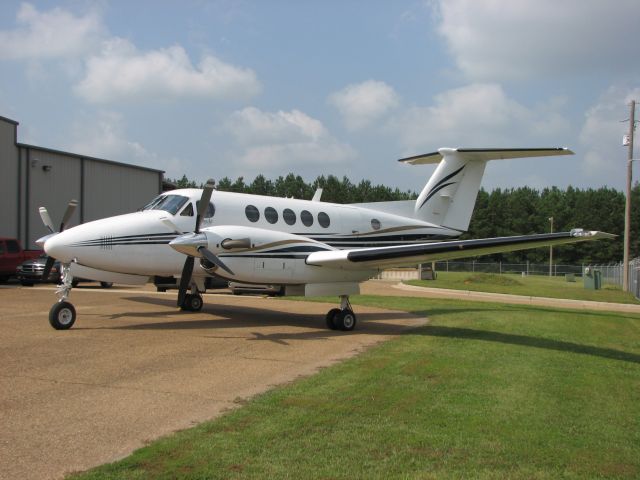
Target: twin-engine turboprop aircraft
311, 247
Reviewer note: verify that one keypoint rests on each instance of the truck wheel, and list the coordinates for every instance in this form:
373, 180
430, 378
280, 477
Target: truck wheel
106, 284
26, 283
62, 316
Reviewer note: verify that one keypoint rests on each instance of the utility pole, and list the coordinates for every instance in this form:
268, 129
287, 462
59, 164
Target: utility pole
627, 205
551, 251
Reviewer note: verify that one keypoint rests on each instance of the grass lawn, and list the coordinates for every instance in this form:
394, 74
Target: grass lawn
484, 391
532, 285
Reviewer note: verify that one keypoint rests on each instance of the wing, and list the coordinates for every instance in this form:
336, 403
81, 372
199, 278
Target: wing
386, 257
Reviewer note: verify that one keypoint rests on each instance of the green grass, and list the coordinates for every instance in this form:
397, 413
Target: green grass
484, 391
533, 285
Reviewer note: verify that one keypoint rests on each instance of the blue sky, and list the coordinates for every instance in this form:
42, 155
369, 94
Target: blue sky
230, 88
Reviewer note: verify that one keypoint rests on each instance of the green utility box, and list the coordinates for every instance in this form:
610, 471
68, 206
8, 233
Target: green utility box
592, 279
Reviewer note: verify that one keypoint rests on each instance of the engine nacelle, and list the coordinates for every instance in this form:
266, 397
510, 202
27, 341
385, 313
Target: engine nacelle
223, 239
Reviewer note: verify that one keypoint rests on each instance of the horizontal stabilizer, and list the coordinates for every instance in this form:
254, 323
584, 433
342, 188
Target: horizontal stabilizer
387, 257
485, 154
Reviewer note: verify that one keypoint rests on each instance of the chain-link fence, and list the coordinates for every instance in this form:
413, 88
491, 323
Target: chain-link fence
610, 273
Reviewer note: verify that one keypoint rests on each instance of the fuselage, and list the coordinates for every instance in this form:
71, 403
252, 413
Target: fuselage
138, 243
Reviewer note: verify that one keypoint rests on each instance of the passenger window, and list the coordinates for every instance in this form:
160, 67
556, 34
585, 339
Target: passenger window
252, 213
289, 216
375, 224
323, 220
306, 218
271, 215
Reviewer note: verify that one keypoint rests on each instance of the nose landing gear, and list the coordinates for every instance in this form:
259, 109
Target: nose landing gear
62, 315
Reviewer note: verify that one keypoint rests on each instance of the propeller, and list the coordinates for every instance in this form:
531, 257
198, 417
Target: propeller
195, 243
46, 219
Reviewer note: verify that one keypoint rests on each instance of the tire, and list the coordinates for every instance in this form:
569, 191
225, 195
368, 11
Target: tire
331, 318
345, 320
195, 303
62, 316
192, 303
106, 284
161, 289
75, 283
26, 283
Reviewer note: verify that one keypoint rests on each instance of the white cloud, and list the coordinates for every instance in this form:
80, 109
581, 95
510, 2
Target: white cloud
104, 136
272, 140
495, 39
362, 104
601, 135
52, 34
121, 72
477, 115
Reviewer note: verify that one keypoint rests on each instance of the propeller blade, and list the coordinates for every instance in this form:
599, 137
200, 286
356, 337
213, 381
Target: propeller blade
209, 255
185, 279
172, 226
46, 219
47, 268
203, 203
67, 214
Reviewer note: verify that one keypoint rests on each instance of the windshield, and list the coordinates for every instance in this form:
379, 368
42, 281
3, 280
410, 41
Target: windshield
168, 203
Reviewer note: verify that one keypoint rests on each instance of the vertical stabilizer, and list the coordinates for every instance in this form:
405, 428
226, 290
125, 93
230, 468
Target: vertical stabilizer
450, 195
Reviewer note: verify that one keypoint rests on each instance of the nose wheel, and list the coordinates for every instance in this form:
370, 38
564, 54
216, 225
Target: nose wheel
62, 315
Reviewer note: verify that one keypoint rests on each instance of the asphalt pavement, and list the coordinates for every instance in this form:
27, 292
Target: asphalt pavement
134, 368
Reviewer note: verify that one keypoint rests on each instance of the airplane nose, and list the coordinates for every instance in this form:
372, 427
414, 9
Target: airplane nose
55, 246
42, 240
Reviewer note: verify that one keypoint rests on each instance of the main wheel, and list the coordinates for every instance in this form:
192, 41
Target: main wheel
345, 320
62, 316
192, 303
106, 284
331, 318
195, 303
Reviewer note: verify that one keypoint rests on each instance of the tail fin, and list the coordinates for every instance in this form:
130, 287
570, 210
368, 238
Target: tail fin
450, 195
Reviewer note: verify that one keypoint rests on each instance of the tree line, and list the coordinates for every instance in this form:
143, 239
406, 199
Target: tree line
501, 212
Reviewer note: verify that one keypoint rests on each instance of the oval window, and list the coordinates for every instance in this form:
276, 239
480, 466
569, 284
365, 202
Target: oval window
289, 216
306, 218
252, 213
375, 224
271, 215
323, 220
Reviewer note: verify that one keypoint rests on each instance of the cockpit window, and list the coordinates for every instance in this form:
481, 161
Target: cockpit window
187, 211
211, 210
168, 203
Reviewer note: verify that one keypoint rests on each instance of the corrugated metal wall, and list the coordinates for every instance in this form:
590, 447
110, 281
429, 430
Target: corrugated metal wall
8, 179
112, 189
34, 176
52, 180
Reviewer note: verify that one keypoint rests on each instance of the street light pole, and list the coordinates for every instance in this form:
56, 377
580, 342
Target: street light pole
551, 251
627, 205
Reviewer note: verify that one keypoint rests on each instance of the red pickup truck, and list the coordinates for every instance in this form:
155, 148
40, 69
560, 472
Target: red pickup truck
12, 255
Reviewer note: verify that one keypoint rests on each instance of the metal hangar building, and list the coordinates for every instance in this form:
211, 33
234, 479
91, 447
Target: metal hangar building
33, 176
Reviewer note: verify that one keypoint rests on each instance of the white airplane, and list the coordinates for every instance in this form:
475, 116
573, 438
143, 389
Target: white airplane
311, 248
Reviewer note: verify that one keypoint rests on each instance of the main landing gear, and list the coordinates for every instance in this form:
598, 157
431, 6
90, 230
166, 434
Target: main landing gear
62, 315
342, 318
192, 302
